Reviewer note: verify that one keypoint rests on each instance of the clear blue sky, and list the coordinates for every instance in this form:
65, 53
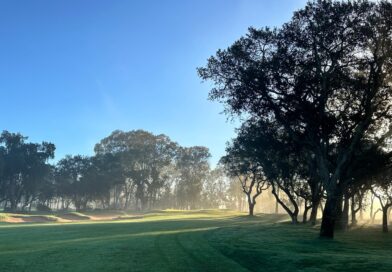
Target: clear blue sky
72, 71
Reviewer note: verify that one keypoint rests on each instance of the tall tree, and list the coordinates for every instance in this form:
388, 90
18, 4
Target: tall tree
74, 180
383, 192
143, 157
215, 189
24, 167
323, 77
193, 168
248, 173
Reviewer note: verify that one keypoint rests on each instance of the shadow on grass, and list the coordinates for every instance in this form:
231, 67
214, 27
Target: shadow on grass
265, 242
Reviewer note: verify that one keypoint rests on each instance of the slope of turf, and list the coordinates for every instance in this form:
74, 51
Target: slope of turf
189, 241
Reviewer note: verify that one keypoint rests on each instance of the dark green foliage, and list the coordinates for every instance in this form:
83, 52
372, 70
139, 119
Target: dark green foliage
130, 170
24, 170
133, 170
323, 79
43, 208
76, 180
143, 158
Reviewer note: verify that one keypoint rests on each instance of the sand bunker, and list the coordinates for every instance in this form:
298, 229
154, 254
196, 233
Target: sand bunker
30, 219
66, 217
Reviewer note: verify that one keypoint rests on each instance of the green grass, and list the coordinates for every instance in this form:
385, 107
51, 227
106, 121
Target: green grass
190, 241
3, 216
73, 215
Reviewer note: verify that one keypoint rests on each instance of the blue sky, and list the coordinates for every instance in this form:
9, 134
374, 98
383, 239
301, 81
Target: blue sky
72, 71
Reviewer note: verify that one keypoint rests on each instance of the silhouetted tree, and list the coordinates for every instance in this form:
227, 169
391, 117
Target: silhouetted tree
383, 192
23, 169
370, 160
323, 78
250, 176
75, 181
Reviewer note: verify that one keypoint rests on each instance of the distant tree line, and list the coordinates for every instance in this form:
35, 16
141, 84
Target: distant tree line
130, 170
315, 98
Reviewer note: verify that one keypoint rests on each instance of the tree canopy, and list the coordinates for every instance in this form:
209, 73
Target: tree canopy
324, 78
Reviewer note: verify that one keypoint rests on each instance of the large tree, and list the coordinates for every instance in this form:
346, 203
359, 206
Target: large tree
261, 150
192, 169
241, 166
75, 180
24, 169
383, 192
323, 78
144, 158
214, 193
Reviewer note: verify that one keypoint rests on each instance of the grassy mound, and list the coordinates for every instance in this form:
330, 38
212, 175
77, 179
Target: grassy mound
3, 217
36, 218
27, 218
73, 216
128, 217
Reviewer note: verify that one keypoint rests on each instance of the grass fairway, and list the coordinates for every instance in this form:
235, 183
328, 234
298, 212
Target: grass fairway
189, 241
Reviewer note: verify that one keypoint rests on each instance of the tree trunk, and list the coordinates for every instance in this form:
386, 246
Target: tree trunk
313, 212
276, 203
371, 208
5, 206
251, 209
385, 219
292, 214
353, 218
294, 218
339, 213
353, 213
13, 205
305, 214
343, 220
329, 217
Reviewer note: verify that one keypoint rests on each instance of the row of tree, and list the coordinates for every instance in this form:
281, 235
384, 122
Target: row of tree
260, 161
139, 170
130, 170
315, 95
